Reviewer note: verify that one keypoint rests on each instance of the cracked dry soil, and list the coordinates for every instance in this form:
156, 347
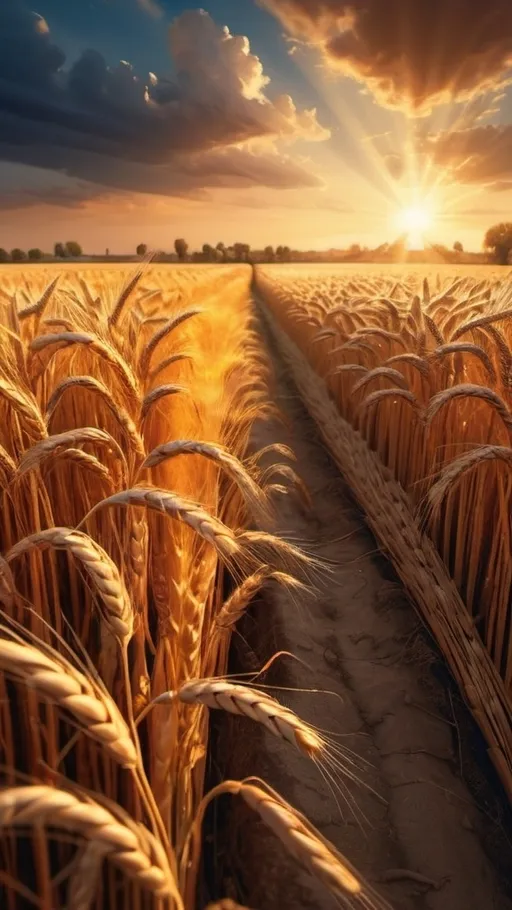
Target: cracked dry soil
427, 824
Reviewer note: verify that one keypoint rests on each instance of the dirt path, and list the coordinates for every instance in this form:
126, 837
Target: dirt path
412, 827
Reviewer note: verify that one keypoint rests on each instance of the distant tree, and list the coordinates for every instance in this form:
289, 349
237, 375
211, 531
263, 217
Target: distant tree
209, 254
142, 249
268, 253
59, 251
181, 247
279, 252
498, 241
238, 249
246, 252
287, 254
35, 254
221, 249
73, 249
457, 246
4, 255
354, 249
18, 255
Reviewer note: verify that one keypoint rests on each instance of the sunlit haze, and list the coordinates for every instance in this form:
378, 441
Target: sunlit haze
269, 122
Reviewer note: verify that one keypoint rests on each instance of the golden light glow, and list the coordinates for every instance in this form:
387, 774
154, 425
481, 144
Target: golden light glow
415, 221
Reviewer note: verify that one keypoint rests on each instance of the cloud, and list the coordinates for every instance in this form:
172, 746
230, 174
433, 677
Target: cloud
412, 54
188, 176
27, 55
482, 155
110, 126
151, 7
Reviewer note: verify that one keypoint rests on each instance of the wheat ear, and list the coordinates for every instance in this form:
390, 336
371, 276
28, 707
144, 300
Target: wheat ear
174, 358
36, 309
467, 390
381, 373
156, 394
308, 846
131, 847
225, 903
38, 453
26, 407
102, 571
236, 604
209, 528
57, 680
148, 351
95, 385
258, 706
460, 347
123, 297
234, 468
454, 470
104, 350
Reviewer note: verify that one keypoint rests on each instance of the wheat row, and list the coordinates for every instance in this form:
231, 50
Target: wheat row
126, 406
421, 368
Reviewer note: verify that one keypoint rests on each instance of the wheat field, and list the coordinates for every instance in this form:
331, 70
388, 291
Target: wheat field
419, 364
128, 555
130, 549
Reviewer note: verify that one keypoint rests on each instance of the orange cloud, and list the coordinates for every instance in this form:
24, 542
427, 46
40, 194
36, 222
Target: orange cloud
412, 54
479, 155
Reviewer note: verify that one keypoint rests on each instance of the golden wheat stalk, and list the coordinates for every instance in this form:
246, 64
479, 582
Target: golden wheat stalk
7, 588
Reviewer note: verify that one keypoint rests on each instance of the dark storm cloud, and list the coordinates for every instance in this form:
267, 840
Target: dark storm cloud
63, 197
412, 54
27, 55
109, 126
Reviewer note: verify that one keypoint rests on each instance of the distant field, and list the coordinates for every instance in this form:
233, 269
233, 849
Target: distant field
375, 269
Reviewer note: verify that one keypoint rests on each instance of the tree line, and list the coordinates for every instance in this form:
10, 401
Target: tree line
497, 244
238, 252
69, 250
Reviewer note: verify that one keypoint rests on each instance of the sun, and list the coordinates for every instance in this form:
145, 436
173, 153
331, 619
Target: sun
415, 221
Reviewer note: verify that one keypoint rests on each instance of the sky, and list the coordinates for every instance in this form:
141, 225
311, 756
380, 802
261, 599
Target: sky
309, 123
